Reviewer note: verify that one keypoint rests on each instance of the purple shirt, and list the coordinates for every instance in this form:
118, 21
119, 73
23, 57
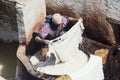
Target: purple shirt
46, 29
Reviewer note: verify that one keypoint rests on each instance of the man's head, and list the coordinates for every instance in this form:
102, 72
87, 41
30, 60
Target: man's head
57, 19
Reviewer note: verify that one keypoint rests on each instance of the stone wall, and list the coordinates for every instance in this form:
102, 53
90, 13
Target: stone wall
19, 18
30, 16
8, 24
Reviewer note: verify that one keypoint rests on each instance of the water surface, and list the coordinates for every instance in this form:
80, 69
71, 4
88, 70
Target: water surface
8, 60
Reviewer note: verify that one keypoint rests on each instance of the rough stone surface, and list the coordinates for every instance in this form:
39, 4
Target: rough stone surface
30, 15
113, 10
8, 23
19, 18
98, 28
34, 15
101, 12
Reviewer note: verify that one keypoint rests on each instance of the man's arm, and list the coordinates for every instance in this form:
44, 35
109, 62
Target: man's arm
40, 40
74, 19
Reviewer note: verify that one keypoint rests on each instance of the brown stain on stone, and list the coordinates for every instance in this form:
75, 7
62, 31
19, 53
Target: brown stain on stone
103, 53
98, 28
63, 10
36, 27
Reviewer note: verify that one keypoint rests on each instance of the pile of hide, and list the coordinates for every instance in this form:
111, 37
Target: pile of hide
65, 58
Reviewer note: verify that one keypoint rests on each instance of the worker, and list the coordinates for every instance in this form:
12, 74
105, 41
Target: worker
51, 28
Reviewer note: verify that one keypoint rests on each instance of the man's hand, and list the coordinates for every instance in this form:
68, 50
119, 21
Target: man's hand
81, 19
46, 41
75, 19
